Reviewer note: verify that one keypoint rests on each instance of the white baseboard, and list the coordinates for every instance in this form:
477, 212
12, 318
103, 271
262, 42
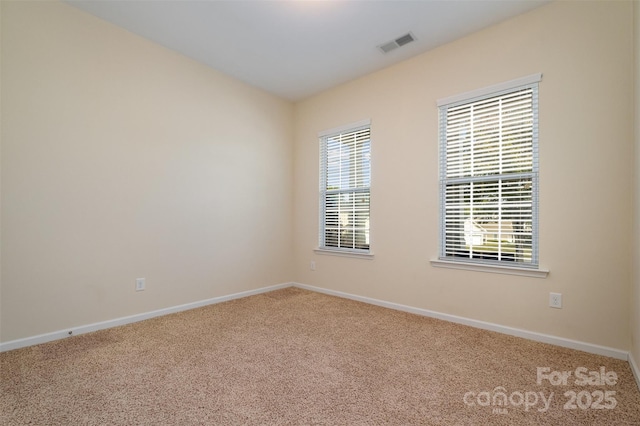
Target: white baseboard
538, 337
634, 369
73, 331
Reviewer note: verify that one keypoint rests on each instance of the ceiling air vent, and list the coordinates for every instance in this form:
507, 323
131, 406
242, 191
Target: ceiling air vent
394, 44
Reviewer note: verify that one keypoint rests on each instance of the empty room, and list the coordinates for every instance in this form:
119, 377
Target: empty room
319, 212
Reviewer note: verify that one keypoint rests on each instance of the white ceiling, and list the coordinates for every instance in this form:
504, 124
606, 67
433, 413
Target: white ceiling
295, 49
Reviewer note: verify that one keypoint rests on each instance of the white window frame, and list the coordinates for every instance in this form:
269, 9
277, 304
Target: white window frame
531, 268
324, 192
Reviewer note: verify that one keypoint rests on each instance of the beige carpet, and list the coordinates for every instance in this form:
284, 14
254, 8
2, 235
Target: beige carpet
297, 357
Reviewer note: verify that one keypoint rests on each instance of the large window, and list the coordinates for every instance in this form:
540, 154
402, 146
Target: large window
489, 176
345, 179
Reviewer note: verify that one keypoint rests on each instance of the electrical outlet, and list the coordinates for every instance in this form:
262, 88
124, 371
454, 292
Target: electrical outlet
313, 265
555, 300
140, 284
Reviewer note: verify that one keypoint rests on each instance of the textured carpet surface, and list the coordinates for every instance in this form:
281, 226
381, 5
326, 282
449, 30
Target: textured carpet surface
298, 357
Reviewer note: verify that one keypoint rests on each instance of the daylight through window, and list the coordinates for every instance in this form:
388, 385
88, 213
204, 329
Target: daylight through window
489, 178
345, 179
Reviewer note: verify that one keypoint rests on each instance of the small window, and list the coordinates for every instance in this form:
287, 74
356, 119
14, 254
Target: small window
345, 180
489, 177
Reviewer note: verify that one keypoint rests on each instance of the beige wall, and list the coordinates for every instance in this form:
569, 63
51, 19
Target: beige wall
122, 159
0, 172
584, 50
635, 294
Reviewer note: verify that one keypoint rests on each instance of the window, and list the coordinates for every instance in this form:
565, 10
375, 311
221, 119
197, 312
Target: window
489, 175
345, 179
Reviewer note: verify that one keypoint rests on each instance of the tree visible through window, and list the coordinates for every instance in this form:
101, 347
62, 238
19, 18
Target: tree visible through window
345, 179
489, 176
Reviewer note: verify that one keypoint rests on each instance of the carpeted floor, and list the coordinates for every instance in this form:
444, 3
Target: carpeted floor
297, 357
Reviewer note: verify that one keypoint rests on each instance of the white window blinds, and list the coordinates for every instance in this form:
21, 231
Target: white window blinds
345, 179
489, 177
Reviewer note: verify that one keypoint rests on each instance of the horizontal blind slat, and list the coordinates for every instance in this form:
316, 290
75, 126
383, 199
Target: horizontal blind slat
345, 190
487, 177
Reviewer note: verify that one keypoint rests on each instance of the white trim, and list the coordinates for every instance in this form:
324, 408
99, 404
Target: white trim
496, 269
507, 85
61, 334
634, 369
344, 253
530, 335
345, 128
539, 337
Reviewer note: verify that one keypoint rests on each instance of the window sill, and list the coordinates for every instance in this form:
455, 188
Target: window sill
496, 269
344, 253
